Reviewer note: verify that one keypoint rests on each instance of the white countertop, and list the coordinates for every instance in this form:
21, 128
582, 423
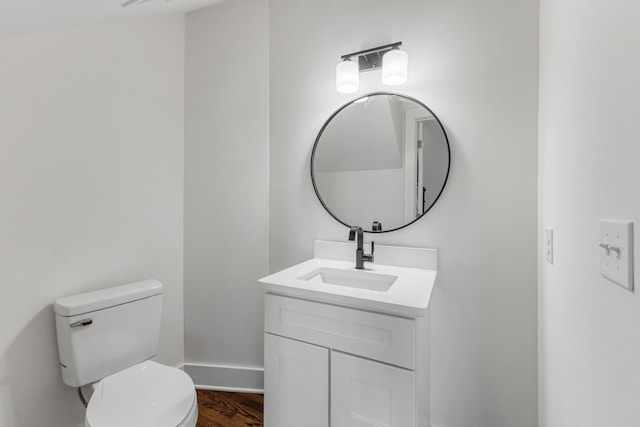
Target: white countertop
408, 296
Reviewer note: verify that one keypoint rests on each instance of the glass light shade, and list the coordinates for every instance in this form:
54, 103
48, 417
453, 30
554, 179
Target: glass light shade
394, 67
347, 77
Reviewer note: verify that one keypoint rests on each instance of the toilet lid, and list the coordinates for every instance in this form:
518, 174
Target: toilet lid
145, 395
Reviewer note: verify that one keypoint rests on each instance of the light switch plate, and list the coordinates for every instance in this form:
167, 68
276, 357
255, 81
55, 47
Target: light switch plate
616, 252
548, 245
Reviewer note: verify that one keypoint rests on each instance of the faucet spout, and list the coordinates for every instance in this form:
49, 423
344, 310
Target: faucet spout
360, 233
357, 234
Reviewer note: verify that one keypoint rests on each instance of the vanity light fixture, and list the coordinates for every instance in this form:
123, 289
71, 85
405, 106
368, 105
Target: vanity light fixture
347, 76
394, 67
393, 61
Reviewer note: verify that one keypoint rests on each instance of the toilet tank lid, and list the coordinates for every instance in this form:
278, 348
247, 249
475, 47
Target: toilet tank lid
105, 298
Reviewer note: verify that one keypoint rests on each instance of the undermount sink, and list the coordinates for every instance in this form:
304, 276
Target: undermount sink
354, 279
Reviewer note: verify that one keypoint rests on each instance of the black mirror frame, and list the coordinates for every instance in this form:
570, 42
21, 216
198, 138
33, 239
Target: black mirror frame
326, 123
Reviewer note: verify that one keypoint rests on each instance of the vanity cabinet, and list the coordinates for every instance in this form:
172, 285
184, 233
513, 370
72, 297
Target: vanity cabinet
327, 364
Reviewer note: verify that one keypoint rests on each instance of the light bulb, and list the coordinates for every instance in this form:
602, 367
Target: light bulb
347, 76
394, 67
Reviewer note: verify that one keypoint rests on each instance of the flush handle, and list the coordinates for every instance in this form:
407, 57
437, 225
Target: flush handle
81, 323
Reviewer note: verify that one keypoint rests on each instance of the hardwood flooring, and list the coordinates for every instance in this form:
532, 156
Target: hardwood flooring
223, 409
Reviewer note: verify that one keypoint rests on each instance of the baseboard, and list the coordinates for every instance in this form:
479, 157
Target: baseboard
226, 378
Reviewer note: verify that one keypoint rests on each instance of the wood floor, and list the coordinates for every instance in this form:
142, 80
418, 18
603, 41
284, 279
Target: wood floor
222, 409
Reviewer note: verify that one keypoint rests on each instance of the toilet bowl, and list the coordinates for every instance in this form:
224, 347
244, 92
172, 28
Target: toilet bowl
145, 395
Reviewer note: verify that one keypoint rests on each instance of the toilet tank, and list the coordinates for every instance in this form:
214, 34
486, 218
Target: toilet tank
103, 332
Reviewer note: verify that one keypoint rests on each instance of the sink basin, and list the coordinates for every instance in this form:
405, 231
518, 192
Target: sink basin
353, 279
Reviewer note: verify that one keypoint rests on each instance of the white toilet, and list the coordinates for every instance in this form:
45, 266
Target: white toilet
105, 339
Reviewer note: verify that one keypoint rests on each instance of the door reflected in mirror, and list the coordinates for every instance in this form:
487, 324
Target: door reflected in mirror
384, 159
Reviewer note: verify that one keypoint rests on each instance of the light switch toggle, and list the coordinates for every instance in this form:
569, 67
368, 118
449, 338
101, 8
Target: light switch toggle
616, 258
610, 248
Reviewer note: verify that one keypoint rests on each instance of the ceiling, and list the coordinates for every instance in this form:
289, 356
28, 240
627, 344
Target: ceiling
30, 16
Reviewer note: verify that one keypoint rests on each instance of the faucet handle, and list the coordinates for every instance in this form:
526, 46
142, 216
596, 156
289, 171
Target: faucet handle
370, 257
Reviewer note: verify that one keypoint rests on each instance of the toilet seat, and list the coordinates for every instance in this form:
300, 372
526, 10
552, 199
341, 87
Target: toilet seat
145, 395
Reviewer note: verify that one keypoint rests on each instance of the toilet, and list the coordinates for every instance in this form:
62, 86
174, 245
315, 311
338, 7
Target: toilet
105, 341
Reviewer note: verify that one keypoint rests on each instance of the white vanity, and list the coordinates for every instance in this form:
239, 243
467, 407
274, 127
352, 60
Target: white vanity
346, 347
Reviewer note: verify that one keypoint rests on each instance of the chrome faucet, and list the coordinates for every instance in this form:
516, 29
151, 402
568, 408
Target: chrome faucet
361, 257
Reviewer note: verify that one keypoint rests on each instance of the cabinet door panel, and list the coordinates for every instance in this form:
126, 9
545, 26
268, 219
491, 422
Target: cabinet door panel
296, 384
370, 394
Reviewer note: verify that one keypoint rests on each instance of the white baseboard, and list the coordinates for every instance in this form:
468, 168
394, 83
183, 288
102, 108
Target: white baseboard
226, 378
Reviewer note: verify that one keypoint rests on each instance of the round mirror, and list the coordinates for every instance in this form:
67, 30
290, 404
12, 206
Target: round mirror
380, 162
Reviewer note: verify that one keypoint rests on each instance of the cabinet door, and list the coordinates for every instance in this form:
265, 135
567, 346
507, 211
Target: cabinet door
370, 394
296, 383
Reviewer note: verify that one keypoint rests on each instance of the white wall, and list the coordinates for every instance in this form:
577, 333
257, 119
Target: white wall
91, 187
475, 64
589, 151
226, 182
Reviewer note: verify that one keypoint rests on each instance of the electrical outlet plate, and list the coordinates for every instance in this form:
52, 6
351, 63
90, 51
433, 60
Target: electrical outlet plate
548, 245
617, 267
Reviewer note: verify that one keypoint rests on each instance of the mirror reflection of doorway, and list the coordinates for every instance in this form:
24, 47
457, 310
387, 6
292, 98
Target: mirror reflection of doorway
424, 161
433, 163
420, 188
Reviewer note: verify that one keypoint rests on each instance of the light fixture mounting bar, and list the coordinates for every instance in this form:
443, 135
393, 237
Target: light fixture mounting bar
132, 2
371, 59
